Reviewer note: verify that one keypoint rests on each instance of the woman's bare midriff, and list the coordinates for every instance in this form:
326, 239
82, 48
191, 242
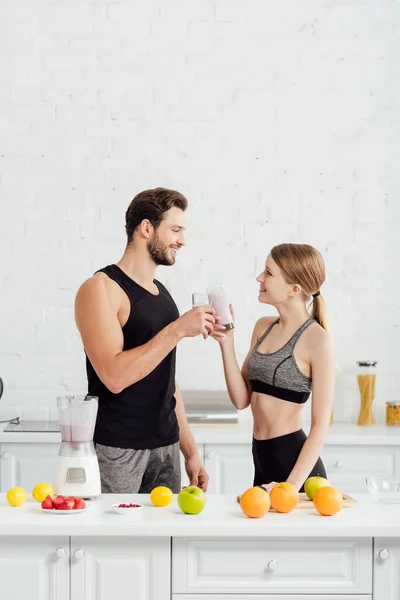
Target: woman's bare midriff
274, 417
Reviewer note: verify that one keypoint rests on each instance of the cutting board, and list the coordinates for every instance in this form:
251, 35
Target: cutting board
305, 502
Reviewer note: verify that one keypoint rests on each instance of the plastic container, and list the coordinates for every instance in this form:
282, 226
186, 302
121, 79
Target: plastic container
366, 378
393, 412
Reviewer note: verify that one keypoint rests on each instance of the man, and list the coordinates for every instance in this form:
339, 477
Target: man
130, 327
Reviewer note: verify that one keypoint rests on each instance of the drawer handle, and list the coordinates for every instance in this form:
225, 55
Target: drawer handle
78, 554
384, 554
273, 565
5, 455
210, 455
339, 464
60, 553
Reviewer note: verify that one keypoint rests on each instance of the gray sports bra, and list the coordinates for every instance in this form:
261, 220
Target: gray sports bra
277, 374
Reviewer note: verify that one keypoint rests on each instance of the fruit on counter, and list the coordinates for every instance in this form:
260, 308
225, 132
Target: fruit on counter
191, 500
42, 490
284, 497
63, 503
161, 496
129, 505
255, 502
47, 503
328, 501
16, 496
313, 484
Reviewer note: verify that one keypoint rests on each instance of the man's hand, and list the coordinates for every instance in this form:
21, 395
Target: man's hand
198, 320
196, 472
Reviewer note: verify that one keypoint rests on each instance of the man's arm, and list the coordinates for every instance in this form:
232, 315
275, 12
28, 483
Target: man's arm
103, 340
193, 463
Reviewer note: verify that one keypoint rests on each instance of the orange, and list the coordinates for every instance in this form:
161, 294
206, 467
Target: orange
42, 490
161, 496
328, 501
284, 497
16, 496
255, 502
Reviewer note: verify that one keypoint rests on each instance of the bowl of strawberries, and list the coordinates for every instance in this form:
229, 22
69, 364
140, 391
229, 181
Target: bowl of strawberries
63, 505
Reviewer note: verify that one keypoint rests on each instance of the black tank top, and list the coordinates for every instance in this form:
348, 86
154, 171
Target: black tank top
143, 414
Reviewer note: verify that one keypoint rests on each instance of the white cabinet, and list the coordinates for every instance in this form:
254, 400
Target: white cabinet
35, 568
266, 566
268, 597
108, 568
230, 467
348, 466
27, 464
386, 569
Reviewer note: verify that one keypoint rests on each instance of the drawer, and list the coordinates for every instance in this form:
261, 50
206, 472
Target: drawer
256, 566
348, 466
269, 597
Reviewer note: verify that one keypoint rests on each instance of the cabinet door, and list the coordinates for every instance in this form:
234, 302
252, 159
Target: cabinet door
230, 467
386, 569
184, 478
109, 568
34, 568
26, 465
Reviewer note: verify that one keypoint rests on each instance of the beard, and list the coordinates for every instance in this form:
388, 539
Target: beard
159, 252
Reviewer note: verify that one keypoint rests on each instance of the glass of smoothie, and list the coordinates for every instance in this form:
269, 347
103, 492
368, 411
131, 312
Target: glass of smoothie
217, 299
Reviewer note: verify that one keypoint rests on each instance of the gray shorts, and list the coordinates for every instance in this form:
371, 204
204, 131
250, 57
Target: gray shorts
126, 471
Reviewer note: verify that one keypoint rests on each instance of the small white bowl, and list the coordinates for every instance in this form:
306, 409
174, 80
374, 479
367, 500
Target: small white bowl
133, 511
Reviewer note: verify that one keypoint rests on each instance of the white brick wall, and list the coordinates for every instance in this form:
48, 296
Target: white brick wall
278, 120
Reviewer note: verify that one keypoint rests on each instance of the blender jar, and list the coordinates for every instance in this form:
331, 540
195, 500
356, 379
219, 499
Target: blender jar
77, 416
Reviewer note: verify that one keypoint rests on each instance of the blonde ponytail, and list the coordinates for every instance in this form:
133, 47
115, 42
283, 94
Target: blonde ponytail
318, 311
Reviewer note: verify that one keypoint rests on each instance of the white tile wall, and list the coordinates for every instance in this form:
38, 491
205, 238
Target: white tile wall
278, 120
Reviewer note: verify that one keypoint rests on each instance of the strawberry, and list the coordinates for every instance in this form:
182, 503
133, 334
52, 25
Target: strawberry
57, 501
48, 503
79, 503
65, 506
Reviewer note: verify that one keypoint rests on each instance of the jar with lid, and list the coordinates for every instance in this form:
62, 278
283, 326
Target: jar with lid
393, 412
366, 378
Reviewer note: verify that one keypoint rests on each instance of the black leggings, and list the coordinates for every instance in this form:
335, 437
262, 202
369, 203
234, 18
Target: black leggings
275, 458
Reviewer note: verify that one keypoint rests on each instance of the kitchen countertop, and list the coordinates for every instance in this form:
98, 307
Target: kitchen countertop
339, 434
221, 517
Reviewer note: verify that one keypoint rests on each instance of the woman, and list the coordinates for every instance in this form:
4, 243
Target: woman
288, 356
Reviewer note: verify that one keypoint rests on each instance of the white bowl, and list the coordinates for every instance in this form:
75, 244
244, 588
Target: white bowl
135, 511
385, 488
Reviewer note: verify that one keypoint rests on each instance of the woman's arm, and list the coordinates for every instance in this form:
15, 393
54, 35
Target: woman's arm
237, 382
323, 367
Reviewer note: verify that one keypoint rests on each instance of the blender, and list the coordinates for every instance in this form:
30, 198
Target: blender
77, 470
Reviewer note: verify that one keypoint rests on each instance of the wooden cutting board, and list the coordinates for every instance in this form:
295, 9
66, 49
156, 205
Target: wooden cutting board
305, 502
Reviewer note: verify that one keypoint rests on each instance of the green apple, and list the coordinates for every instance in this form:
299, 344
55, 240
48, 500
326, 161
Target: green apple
191, 500
313, 484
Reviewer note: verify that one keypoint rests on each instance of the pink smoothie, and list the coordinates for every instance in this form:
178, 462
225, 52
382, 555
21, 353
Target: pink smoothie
218, 300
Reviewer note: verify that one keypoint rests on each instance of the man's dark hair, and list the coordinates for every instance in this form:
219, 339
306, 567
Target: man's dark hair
151, 205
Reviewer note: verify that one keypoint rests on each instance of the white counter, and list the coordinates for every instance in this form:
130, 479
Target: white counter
222, 517
377, 435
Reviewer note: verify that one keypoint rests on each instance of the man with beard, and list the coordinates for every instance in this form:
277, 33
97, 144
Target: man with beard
130, 327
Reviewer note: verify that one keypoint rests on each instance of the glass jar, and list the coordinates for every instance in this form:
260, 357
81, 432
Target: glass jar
366, 378
393, 412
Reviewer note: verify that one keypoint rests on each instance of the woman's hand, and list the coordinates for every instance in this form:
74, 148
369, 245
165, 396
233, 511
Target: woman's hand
268, 486
220, 333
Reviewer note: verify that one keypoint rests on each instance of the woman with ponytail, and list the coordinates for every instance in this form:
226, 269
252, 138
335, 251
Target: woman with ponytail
289, 356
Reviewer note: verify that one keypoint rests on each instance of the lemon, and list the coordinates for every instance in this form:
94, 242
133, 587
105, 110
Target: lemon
16, 496
161, 496
41, 490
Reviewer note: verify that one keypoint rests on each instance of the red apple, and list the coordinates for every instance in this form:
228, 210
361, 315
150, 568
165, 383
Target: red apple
58, 500
79, 503
48, 503
65, 506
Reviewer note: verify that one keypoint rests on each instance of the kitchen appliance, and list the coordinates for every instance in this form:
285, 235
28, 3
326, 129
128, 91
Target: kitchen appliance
77, 470
205, 408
